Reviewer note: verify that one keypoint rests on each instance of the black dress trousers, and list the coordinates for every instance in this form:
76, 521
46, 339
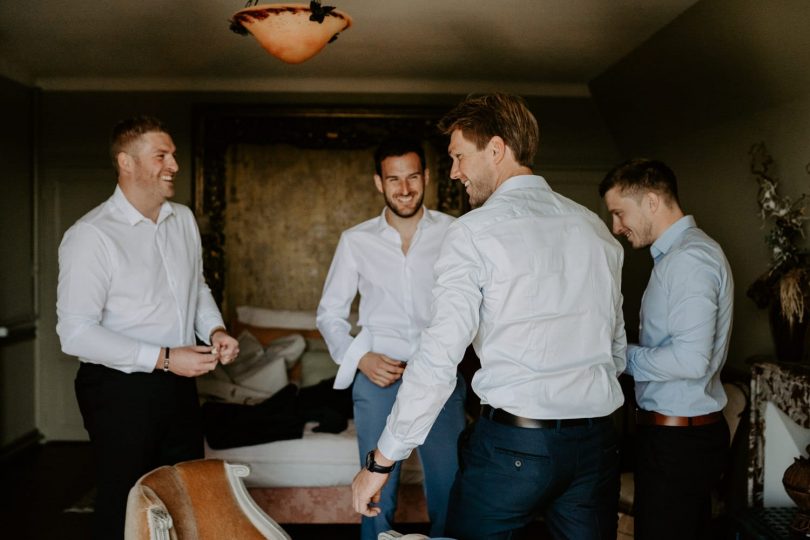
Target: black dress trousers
136, 422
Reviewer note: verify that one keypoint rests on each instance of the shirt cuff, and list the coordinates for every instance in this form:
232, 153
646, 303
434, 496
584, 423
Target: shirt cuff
348, 366
631, 355
147, 358
391, 447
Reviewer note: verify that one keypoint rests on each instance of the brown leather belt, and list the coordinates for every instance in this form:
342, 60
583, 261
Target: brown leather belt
652, 418
502, 417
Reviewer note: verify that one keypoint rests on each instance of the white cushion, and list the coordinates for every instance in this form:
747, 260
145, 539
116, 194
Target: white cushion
257, 374
275, 318
267, 375
290, 348
280, 318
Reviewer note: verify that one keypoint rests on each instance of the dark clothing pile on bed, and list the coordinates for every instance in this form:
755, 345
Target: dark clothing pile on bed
280, 417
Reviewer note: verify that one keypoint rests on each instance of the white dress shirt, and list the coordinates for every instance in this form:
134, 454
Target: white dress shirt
395, 291
534, 281
128, 286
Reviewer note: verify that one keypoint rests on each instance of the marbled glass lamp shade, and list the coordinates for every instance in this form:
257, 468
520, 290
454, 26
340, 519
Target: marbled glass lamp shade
293, 33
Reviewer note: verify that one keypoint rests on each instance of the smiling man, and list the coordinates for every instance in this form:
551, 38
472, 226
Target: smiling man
131, 298
389, 260
686, 313
532, 279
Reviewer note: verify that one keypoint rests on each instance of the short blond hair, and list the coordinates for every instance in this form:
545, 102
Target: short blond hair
128, 131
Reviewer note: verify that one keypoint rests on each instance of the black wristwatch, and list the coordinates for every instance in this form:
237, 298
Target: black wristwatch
373, 466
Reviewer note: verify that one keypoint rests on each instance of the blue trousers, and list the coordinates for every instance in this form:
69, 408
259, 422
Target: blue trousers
509, 475
438, 454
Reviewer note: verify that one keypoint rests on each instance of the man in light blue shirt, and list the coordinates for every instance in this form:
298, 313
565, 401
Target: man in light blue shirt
686, 314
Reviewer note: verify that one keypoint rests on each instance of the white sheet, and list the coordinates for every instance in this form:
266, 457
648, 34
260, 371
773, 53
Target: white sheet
317, 459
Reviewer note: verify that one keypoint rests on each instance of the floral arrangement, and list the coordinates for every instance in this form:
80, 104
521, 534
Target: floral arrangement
786, 281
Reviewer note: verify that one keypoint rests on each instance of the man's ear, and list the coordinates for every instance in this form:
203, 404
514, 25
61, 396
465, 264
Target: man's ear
653, 201
378, 183
427, 176
124, 161
497, 147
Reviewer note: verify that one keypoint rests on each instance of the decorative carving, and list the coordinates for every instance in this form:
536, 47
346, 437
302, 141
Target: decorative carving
788, 387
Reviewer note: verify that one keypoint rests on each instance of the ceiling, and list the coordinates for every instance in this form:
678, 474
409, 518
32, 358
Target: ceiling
536, 47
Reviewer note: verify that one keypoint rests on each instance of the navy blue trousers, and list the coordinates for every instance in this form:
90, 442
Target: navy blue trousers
509, 475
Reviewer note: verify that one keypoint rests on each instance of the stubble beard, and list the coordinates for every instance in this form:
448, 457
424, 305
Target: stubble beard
478, 197
391, 204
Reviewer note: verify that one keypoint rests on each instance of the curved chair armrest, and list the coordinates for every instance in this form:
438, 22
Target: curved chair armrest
264, 523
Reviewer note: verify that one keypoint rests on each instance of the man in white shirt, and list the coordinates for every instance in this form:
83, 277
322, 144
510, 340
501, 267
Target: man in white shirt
131, 298
533, 280
389, 260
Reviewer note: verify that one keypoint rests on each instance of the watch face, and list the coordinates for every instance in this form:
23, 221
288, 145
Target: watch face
373, 466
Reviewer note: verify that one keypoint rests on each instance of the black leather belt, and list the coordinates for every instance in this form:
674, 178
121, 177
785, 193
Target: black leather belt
509, 419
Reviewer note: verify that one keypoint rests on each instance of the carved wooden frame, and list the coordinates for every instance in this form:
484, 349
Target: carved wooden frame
216, 128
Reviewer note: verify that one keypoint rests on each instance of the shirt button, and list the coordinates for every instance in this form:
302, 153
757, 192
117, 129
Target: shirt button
518, 463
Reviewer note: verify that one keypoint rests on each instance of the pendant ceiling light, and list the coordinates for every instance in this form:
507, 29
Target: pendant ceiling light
293, 33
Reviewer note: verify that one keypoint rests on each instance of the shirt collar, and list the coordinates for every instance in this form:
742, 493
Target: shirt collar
131, 214
425, 221
522, 181
664, 243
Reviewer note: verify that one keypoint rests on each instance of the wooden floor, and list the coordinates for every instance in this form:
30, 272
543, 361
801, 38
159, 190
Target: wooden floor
39, 483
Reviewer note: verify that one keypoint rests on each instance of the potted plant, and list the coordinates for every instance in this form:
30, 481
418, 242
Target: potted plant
785, 286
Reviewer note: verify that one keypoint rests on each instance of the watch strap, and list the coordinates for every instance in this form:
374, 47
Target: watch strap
373, 466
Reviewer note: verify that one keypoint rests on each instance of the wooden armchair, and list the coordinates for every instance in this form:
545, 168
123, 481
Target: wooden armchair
200, 500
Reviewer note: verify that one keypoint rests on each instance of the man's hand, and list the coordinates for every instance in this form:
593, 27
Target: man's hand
380, 369
225, 348
366, 489
189, 361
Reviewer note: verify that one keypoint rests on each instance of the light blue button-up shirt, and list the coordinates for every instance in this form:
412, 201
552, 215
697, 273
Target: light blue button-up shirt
686, 317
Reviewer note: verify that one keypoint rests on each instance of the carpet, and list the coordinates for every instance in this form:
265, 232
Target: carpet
84, 504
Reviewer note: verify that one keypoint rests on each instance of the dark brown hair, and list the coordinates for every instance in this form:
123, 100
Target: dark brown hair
395, 147
637, 176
